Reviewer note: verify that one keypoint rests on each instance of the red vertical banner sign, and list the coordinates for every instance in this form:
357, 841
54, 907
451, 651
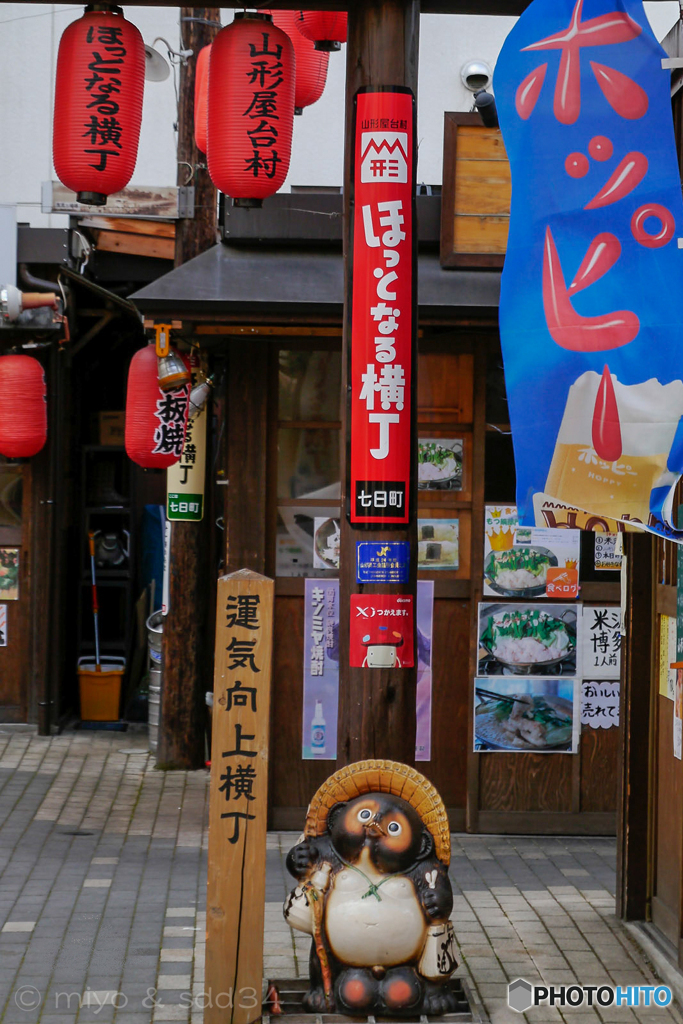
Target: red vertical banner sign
383, 307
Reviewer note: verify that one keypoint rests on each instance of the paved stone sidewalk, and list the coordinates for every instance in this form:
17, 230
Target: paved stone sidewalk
102, 896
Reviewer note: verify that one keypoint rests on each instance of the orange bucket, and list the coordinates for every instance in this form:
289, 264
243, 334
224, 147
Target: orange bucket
100, 690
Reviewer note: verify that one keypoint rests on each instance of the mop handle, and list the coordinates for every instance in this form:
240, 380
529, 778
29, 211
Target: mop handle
95, 606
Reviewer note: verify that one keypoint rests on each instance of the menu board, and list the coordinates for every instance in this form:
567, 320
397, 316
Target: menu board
528, 562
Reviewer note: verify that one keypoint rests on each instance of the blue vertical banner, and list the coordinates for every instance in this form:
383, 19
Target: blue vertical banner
591, 315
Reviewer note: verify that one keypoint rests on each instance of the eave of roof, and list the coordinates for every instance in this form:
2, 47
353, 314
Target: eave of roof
229, 280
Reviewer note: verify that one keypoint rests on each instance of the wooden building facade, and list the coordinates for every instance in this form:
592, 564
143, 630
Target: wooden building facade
266, 305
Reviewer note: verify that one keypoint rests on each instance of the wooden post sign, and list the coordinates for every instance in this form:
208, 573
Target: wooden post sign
238, 801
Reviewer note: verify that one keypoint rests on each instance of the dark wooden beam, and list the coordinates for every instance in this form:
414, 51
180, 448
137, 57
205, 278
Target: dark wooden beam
633, 808
186, 673
377, 706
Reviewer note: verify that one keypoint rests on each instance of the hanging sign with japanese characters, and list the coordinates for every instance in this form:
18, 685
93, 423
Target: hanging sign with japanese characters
601, 642
239, 796
590, 311
382, 308
185, 479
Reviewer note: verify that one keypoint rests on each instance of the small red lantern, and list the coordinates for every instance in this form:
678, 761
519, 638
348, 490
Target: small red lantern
251, 108
23, 409
327, 29
201, 93
98, 104
311, 64
155, 420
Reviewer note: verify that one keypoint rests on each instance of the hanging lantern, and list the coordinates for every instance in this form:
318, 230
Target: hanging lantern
98, 104
311, 64
201, 90
327, 29
155, 421
251, 108
23, 409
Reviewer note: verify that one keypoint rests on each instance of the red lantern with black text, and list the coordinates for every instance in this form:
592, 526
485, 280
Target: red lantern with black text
98, 104
311, 64
327, 29
155, 420
23, 409
251, 108
201, 94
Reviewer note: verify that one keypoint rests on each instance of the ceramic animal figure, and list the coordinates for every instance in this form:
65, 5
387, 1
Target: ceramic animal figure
374, 894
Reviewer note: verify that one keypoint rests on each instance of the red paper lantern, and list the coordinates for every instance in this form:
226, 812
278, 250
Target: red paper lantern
98, 104
201, 91
23, 409
251, 108
311, 64
155, 420
327, 29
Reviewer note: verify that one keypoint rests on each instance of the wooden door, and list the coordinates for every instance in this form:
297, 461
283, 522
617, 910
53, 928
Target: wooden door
15, 598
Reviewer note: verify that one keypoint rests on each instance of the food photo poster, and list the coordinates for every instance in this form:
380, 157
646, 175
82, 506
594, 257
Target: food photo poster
528, 639
438, 543
524, 562
528, 713
439, 464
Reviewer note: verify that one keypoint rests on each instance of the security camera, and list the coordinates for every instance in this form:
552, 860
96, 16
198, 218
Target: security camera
476, 75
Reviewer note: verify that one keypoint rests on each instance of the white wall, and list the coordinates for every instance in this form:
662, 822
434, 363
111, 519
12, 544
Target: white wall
30, 36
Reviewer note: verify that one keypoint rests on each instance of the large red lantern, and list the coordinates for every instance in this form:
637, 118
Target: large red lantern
327, 29
251, 108
201, 91
98, 104
23, 409
311, 64
155, 420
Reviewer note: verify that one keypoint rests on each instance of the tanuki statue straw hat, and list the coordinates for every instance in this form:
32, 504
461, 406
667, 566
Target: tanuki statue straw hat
382, 777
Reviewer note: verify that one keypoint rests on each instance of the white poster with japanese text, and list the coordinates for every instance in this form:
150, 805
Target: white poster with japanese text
601, 642
600, 703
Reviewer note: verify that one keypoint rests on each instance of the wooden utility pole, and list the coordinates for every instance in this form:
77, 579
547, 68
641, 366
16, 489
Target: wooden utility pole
377, 705
184, 655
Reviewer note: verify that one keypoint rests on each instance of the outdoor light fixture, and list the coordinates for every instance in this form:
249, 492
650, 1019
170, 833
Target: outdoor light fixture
156, 68
13, 302
199, 396
99, 160
172, 372
486, 105
249, 159
201, 97
326, 29
476, 75
23, 407
311, 63
155, 422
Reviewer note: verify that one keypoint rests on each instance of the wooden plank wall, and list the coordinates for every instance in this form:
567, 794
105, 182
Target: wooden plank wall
499, 792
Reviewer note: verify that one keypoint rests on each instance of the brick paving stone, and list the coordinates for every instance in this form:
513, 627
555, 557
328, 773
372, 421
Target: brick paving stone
122, 909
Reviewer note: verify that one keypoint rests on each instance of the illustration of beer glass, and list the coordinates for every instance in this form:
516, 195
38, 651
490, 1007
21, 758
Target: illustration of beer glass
614, 444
